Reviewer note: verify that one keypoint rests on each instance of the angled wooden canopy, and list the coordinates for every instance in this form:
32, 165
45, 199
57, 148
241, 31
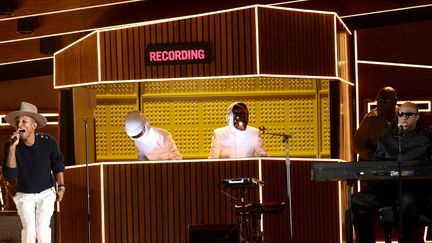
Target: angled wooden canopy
256, 40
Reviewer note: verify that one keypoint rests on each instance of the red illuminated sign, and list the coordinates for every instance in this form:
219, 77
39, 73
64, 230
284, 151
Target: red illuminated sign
177, 54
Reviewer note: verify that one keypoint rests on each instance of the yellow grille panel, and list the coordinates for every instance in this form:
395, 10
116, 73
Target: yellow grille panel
273, 111
218, 85
158, 112
301, 109
191, 109
325, 130
116, 89
156, 88
243, 85
191, 135
102, 144
185, 86
272, 84
186, 113
113, 102
213, 111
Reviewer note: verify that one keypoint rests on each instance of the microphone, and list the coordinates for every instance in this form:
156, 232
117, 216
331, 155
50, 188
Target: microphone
262, 129
14, 138
400, 131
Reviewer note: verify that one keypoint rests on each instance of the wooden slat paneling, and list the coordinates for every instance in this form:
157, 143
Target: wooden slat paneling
315, 206
276, 226
165, 219
77, 64
344, 51
290, 43
122, 47
140, 200
73, 208
296, 43
156, 202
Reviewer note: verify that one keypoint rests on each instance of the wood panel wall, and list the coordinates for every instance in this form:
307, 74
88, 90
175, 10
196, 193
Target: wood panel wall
289, 42
344, 51
79, 64
229, 34
73, 221
156, 202
296, 42
315, 207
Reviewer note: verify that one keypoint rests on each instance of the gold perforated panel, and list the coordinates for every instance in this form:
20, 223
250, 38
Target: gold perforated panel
112, 104
158, 112
325, 125
156, 88
116, 89
192, 109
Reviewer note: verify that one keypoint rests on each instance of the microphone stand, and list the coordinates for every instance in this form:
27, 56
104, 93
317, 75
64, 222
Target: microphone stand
285, 140
87, 180
244, 226
399, 159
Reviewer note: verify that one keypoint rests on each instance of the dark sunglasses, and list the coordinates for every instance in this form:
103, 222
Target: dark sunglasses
406, 114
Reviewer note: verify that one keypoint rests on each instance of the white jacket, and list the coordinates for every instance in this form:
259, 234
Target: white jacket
228, 142
156, 144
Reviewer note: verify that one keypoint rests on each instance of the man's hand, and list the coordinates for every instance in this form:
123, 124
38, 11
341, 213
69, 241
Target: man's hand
60, 192
16, 136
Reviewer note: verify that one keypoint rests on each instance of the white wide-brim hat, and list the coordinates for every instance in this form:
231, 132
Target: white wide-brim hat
26, 109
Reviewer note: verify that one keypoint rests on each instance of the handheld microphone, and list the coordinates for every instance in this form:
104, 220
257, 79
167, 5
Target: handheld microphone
262, 129
20, 130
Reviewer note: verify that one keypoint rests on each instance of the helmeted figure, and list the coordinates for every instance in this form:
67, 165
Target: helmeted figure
152, 143
237, 139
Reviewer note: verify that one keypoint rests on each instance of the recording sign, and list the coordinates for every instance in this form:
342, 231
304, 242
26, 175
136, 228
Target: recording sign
177, 54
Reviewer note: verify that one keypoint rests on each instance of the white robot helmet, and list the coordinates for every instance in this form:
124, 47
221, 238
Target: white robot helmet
136, 124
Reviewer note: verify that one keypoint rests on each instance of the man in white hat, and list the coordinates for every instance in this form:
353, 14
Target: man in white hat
152, 143
34, 160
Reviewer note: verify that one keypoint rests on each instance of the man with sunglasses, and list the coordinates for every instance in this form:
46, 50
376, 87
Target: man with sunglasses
376, 123
415, 144
152, 143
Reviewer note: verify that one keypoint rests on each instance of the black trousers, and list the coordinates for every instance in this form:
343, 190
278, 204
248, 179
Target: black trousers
416, 199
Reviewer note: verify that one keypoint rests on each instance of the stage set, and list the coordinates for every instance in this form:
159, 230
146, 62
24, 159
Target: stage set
183, 73
293, 68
